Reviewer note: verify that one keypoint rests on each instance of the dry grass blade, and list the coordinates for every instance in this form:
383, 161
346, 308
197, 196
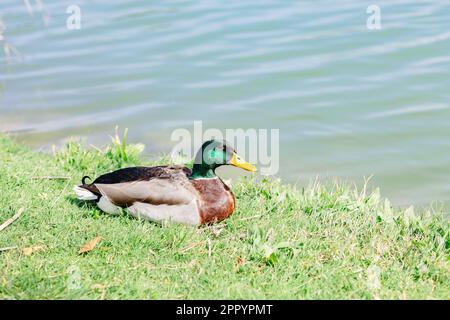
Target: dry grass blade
8, 248
50, 178
12, 219
191, 246
90, 245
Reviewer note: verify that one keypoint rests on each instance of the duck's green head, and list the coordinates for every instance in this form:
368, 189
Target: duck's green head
216, 153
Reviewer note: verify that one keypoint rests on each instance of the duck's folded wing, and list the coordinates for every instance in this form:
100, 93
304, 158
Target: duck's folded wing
144, 173
155, 191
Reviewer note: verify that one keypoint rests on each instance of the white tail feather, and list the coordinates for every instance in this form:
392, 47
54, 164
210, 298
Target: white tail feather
84, 194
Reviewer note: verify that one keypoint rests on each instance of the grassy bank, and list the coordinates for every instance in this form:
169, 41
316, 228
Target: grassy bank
282, 242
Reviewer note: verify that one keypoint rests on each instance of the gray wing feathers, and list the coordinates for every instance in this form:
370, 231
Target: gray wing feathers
155, 191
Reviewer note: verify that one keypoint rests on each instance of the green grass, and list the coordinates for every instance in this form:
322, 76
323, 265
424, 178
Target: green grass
283, 242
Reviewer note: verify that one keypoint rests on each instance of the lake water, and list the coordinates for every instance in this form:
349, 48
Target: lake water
349, 102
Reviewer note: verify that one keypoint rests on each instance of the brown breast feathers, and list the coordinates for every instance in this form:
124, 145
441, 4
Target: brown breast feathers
216, 200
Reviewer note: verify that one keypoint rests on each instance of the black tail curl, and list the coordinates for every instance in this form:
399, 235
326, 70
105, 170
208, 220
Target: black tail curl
83, 180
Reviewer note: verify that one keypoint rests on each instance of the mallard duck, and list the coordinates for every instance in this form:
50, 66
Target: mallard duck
173, 193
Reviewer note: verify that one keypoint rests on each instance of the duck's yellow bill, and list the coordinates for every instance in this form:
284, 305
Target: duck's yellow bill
237, 161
